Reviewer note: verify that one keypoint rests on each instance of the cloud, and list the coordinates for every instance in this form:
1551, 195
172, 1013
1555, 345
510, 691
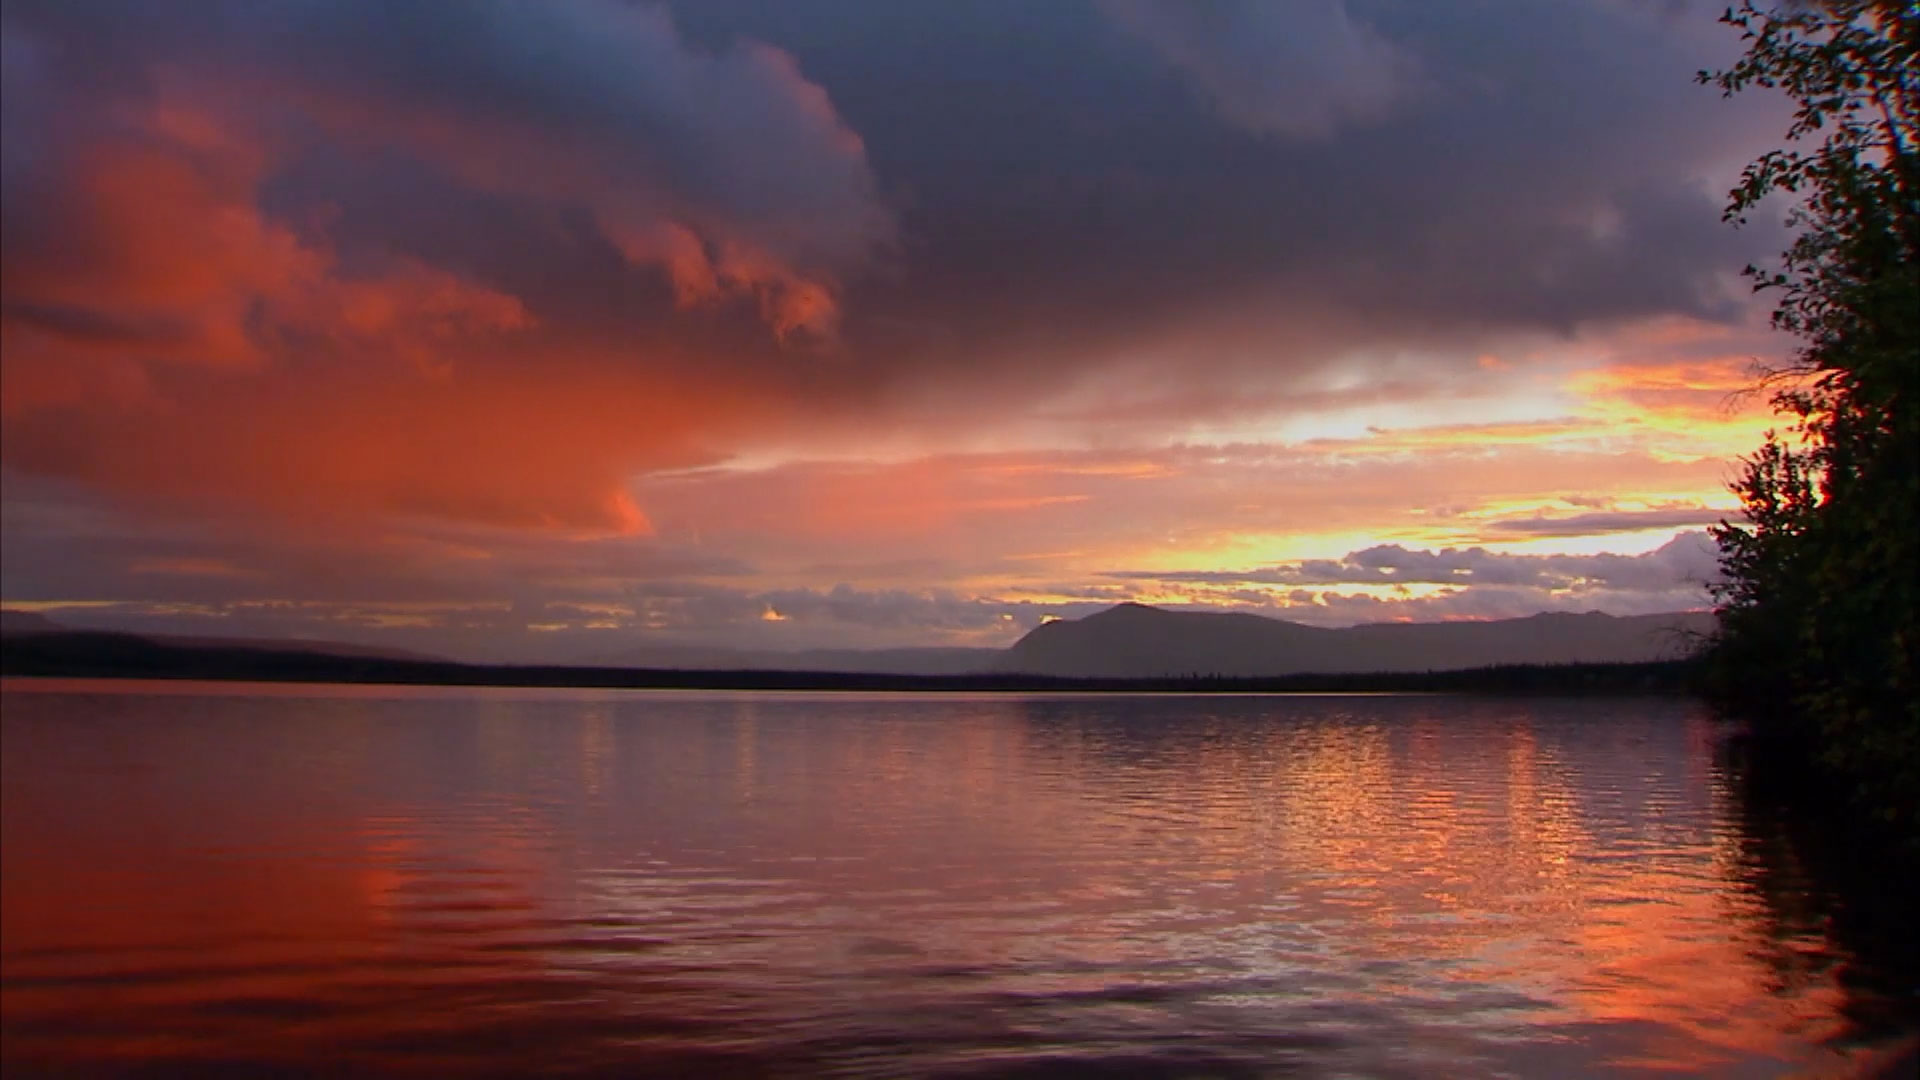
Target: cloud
64, 544
1298, 68
1610, 521
201, 596
1332, 608
508, 307
796, 201
1689, 562
209, 296
730, 171
1079, 228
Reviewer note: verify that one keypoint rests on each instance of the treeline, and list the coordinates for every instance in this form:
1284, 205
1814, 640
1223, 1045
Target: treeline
106, 655
1820, 615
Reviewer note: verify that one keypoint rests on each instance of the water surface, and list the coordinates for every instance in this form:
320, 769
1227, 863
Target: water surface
250, 879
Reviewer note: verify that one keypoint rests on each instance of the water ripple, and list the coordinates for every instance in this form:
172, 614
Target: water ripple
870, 886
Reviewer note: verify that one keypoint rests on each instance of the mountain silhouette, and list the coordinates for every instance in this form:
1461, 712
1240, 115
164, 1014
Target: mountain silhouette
20, 623
1133, 641
23, 625
1127, 642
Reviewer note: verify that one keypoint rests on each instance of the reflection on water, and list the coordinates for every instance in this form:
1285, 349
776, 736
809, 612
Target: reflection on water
1828, 886
460, 881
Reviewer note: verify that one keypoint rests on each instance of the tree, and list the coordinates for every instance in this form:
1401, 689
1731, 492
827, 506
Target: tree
1820, 614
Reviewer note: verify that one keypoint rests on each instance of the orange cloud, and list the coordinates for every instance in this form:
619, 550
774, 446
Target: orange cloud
155, 247
705, 275
157, 253
537, 449
1714, 387
628, 518
170, 335
991, 522
166, 339
777, 198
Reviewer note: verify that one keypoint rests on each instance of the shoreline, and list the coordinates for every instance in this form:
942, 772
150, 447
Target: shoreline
115, 656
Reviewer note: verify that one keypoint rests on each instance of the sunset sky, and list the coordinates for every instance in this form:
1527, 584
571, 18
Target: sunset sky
549, 331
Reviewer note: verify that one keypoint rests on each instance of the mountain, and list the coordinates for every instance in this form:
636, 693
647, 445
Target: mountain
1137, 641
16, 623
1131, 641
21, 625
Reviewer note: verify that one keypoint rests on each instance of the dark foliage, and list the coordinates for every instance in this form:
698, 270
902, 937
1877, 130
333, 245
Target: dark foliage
1820, 615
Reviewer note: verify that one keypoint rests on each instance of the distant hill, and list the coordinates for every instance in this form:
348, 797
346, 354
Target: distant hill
1131, 643
903, 661
1134, 641
26, 622
95, 654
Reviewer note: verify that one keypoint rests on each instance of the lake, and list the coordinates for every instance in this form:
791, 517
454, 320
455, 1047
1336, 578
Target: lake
270, 880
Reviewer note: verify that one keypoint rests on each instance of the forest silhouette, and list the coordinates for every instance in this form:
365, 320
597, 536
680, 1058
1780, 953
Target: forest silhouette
1819, 641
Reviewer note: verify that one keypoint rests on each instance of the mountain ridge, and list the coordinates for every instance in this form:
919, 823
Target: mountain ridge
1140, 641
1126, 641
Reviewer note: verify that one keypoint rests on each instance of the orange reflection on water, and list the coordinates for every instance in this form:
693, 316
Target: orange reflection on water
1329, 884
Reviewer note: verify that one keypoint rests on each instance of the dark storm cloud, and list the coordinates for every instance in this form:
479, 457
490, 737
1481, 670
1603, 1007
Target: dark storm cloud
1067, 197
246, 242
997, 199
727, 169
334, 303
592, 99
1300, 69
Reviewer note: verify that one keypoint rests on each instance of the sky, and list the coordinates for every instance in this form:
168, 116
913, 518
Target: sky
559, 331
